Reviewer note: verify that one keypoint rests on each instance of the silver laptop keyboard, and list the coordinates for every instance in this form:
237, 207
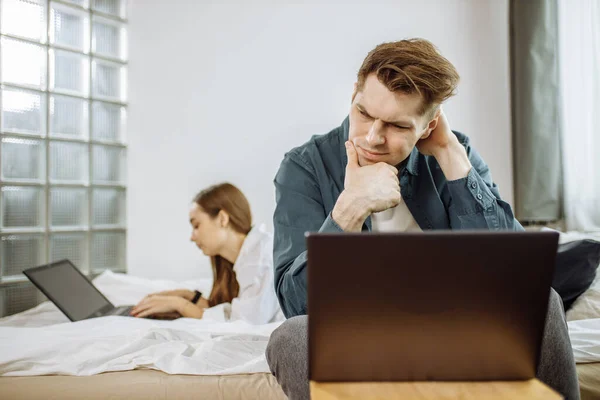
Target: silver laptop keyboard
123, 311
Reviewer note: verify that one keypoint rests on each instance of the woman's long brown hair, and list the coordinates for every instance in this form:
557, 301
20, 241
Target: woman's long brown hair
231, 200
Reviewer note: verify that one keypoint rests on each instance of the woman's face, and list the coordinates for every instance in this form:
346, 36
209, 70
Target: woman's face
209, 234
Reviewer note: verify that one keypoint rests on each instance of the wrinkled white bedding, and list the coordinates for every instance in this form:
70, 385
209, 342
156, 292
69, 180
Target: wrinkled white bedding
585, 339
42, 341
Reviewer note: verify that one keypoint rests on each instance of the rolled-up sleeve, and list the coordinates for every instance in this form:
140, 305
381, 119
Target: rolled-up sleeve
475, 201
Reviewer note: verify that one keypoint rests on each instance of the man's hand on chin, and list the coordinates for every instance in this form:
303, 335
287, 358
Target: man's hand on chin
368, 189
442, 144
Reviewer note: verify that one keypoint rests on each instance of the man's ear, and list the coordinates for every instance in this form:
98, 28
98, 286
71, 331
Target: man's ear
432, 124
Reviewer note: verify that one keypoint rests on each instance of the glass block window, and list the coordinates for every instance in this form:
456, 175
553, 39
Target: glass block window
63, 152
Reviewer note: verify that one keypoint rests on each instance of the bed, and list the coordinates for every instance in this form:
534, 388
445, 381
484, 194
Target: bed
142, 385
123, 357
584, 329
120, 357
589, 380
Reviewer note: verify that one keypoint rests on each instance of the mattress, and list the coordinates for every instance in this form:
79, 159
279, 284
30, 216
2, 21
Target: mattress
156, 385
589, 381
143, 385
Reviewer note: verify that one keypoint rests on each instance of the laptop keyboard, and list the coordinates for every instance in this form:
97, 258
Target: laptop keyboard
124, 311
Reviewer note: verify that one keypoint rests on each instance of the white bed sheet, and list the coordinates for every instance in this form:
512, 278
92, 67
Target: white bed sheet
585, 339
42, 341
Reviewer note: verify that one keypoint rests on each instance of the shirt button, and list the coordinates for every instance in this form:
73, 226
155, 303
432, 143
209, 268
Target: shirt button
474, 185
479, 196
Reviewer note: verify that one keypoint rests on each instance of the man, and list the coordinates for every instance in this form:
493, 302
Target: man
393, 165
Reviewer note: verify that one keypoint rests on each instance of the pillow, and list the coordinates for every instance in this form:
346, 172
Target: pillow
575, 269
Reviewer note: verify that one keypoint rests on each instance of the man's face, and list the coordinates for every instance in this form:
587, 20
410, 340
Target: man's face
385, 126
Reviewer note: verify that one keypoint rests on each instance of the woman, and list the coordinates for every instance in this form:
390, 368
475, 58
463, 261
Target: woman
242, 264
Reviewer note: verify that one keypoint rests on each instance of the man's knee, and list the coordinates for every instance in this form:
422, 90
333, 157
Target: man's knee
290, 335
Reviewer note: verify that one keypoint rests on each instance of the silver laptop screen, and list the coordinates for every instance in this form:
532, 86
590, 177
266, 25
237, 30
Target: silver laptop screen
70, 290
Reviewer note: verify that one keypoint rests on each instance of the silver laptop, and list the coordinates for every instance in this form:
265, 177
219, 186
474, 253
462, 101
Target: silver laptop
72, 292
444, 306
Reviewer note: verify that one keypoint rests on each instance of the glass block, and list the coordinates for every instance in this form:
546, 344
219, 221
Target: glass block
108, 122
23, 207
23, 159
23, 111
23, 63
117, 8
69, 162
109, 38
70, 246
69, 27
17, 299
108, 207
69, 117
108, 251
108, 80
26, 19
20, 252
68, 207
69, 72
108, 164
80, 3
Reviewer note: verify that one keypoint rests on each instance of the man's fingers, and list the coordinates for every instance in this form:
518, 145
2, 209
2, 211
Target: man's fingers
397, 197
386, 166
352, 155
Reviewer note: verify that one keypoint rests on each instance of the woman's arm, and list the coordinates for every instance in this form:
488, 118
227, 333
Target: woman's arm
186, 294
159, 304
190, 310
182, 293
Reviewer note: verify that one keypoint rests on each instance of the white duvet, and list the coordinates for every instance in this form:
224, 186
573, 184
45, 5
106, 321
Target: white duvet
42, 341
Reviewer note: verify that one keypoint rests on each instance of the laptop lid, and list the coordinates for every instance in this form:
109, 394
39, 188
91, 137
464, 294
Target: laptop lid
69, 290
442, 306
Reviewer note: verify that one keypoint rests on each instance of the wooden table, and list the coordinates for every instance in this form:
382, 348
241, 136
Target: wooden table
515, 390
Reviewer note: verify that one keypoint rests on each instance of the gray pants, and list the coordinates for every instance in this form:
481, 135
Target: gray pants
287, 355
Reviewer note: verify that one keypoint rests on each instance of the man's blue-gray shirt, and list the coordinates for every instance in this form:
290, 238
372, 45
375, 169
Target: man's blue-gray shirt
311, 177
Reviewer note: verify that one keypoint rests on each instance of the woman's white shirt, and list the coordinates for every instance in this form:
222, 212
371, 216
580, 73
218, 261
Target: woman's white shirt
256, 301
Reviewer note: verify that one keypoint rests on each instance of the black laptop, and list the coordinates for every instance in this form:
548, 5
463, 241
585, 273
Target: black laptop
72, 292
444, 306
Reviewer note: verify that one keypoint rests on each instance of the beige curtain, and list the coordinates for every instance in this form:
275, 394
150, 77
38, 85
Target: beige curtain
536, 109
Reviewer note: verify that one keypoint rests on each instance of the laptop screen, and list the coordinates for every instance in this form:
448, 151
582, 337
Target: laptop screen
68, 289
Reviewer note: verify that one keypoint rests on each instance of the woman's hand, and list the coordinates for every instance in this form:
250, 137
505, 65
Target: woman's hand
186, 294
183, 293
159, 304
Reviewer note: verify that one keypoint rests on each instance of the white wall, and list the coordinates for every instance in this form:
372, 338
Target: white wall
219, 92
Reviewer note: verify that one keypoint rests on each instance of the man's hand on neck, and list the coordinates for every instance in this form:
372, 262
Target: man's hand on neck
443, 145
